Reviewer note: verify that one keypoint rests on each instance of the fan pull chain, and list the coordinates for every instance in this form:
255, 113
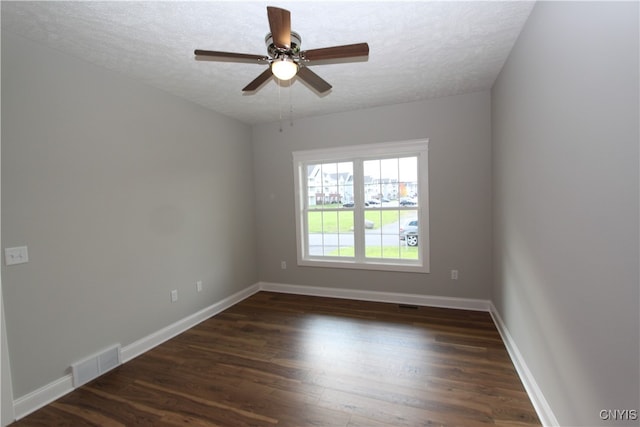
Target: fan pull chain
280, 106
290, 103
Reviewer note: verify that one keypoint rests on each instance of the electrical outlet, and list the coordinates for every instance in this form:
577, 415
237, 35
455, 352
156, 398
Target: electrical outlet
283, 265
199, 286
454, 274
17, 255
174, 295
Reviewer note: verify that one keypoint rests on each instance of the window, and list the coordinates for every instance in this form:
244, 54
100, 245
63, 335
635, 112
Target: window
363, 206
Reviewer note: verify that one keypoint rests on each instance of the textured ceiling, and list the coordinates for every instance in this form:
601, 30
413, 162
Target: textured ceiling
418, 50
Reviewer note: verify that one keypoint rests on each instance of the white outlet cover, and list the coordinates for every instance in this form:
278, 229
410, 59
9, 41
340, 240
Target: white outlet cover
17, 255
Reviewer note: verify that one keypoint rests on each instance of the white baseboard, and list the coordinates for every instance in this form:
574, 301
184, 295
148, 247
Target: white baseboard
390, 297
145, 344
540, 404
30, 402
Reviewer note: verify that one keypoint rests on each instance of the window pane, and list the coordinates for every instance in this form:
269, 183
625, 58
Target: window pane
329, 184
345, 182
330, 233
373, 234
382, 237
314, 185
371, 181
408, 234
408, 181
345, 235
391, 234
389, 180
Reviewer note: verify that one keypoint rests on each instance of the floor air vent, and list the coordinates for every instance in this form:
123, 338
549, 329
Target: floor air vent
96, 365
409, 306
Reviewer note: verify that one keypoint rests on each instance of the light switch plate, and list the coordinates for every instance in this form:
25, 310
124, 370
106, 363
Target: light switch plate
17, 255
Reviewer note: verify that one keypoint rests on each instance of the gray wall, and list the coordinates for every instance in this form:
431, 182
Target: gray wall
122, 193
565, 158
459, 135
6, 400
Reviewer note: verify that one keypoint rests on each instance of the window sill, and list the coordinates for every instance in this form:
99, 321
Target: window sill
374, 265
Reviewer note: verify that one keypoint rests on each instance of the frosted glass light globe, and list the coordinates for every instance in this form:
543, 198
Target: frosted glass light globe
284, 68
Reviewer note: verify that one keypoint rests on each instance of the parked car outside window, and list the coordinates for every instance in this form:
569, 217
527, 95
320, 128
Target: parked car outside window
409, 232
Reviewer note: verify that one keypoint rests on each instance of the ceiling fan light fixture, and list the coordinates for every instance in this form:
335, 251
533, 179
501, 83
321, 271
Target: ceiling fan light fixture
285, 58
284, 68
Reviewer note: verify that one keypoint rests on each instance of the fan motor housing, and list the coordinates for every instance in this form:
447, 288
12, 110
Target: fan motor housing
275, 52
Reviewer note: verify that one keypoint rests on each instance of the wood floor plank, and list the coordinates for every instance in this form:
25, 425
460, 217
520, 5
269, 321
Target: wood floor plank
288, 360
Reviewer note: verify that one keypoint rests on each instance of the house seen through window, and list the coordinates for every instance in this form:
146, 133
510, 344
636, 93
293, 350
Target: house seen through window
363, 206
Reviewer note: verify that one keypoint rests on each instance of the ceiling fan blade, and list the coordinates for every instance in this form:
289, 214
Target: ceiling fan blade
258, 81
336, 52
230, 56
313, 80
280, 24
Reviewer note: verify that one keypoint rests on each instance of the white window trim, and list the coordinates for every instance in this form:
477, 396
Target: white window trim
420, 148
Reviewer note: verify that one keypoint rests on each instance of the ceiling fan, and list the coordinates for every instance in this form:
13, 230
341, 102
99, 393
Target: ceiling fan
285, 59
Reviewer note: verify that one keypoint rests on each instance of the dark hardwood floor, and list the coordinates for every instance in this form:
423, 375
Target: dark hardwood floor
287, 360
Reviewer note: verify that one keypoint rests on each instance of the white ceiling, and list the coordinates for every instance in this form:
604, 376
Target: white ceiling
418, 50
